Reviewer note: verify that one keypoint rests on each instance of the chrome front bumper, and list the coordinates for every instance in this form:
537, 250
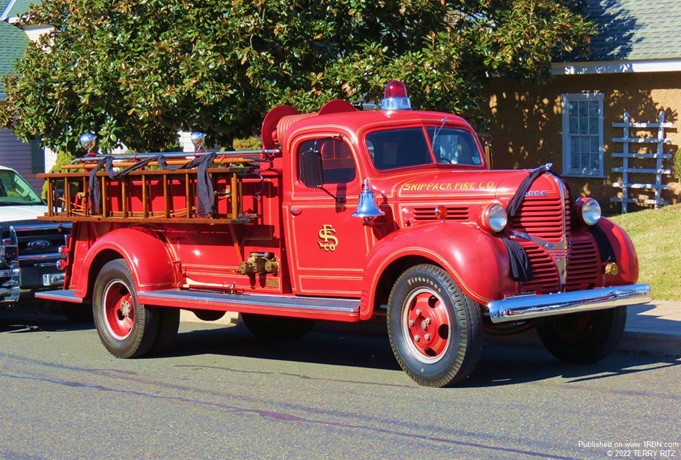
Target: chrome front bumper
523, 307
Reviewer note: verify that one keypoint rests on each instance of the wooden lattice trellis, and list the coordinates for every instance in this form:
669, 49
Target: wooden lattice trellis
626, 154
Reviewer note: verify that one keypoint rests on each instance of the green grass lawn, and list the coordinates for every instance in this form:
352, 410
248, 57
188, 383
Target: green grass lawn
656, 234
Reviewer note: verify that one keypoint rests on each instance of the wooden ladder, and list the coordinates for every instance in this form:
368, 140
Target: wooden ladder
149, 193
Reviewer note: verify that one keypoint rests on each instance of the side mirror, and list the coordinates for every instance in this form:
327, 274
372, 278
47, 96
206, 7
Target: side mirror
311, 169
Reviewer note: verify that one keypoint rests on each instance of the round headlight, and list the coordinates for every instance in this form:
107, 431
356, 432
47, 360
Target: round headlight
494, 217
590, 210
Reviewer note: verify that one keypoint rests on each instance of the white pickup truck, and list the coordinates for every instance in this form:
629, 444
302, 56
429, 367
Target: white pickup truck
29, 249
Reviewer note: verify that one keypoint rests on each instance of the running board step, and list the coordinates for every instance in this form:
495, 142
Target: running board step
324, 308
59, 295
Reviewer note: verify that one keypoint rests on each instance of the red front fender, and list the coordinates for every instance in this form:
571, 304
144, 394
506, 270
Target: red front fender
625, 254
476, 260
149, 257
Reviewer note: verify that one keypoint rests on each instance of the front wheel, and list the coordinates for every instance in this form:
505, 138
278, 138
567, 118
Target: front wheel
583, 337
434, 328
126, 328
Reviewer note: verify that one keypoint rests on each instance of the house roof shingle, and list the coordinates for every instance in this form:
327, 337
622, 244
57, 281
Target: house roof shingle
14, 8
632, 30
14, 43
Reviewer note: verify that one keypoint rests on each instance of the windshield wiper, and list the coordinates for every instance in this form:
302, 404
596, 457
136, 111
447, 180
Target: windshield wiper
436, 132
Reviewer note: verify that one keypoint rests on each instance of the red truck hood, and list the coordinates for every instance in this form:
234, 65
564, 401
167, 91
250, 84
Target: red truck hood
460, 185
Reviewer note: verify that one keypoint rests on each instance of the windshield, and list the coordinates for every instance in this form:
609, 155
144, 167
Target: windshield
454, 146
15, 191
399, 148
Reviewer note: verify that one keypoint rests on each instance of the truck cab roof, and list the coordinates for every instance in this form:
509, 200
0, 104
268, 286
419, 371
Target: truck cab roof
392, 140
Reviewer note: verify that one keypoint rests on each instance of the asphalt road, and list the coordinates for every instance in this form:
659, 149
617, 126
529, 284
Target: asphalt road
219, 393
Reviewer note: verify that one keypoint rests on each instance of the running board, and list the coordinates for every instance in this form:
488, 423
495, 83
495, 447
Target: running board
59, 295
324, 308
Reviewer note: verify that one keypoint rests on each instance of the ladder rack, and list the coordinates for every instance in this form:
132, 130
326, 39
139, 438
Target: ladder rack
141, 188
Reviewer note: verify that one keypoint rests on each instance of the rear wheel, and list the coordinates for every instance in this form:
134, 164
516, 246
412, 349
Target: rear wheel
277, 327
169, 323
126, 328
434, 329
583, 337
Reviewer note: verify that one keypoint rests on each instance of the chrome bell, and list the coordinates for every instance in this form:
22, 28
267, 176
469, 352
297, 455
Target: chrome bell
89, 143
366, 207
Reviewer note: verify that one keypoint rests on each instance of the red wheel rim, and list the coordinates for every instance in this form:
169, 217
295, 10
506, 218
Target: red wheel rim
119, 309
426, 325
575, 328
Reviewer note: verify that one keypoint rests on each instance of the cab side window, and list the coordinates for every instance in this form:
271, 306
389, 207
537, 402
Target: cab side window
338, 165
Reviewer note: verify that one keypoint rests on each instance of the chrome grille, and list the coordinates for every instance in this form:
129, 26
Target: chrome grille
36, 238
583, 264
545, 279
423, 213
548, 220
543, 217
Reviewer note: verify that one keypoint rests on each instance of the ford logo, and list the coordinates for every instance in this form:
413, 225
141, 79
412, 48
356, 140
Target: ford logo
38, 244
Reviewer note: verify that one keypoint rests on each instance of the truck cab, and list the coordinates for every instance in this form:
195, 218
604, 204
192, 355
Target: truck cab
347, 215
28, 247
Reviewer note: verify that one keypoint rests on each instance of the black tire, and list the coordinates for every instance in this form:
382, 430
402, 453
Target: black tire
126, 328
435, 330
209, 315
583, 337
77, 313
276, 327
169, 323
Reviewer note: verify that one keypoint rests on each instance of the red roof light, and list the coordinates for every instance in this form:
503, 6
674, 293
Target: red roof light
395, 88
395, 96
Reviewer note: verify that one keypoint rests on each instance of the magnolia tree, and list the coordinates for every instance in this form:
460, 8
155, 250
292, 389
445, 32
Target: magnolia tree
136, 72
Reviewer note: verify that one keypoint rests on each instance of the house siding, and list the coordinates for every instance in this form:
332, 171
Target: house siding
17, 155
526, 123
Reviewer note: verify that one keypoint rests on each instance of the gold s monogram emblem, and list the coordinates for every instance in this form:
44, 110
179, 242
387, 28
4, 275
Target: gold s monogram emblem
327, 234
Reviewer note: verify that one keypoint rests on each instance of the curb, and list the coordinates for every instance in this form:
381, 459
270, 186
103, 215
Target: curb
650, 343
631, 342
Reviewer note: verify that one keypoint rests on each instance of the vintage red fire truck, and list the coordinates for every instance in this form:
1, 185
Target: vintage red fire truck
345, 215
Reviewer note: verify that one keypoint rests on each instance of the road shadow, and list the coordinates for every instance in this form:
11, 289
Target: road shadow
500, 364
21, 321
504, 364
324, 345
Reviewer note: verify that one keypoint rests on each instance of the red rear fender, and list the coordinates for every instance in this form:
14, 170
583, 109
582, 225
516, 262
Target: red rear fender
144, 250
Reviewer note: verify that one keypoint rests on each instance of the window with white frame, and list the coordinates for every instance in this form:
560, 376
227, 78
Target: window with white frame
583, 134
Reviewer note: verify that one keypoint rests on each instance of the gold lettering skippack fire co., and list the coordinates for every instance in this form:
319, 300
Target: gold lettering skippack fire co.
433, 186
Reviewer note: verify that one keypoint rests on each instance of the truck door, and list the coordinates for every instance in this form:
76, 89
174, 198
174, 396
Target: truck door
327, 246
